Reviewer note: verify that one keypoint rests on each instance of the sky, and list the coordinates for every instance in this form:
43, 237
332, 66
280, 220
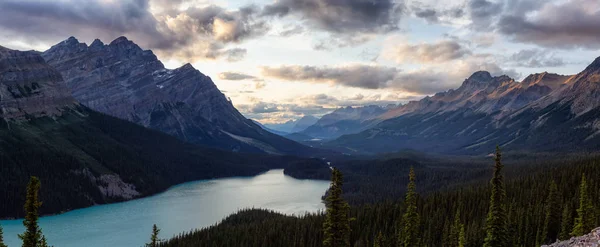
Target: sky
279, 60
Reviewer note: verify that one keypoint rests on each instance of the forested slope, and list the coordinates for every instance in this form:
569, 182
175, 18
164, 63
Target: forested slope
534, 217
85, 158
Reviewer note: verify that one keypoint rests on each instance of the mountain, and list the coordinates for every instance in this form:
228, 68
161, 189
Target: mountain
122, 80
544, 112
30, 87
84, 157
345, 120
281, 133
293, 126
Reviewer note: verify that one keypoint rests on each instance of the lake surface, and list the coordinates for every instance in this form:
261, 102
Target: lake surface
182, 208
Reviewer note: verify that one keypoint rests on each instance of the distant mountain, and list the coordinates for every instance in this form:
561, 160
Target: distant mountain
122, 80
346, 120
544, 112
294, 126
83, 157
281, 133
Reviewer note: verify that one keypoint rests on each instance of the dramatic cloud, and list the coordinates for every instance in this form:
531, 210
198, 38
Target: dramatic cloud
234, 76
61, 19
483, 12
235, 54
426, 80
342, 16
535, 58
433, 15
441, 51
361, 76
192, 34
566, 24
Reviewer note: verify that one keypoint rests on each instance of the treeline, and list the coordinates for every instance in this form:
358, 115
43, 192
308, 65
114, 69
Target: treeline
534, 206
67, 151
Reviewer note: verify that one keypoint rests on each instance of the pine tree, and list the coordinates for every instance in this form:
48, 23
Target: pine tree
585, 220
453, 237
462, 241
409, 236
2, 237
337, 223
566, 223
496, 220
43, 242
32, 237
552, 220
379, 240
154, 240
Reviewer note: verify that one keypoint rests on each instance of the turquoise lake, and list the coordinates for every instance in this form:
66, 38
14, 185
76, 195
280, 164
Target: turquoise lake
182, 208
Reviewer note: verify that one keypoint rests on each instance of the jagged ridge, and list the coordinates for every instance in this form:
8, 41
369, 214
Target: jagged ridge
123, 80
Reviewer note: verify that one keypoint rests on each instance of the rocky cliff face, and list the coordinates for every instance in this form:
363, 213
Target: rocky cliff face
29, 87
590, 240
125, 81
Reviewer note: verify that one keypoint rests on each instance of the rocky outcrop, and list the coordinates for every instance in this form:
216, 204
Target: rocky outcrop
125, 81
29, 87
590, 240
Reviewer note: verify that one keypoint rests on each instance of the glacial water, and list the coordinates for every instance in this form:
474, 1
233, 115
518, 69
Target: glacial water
182, 208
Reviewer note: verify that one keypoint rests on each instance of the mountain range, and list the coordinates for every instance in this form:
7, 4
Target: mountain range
293, 126
85, 157
544, 112
123, 80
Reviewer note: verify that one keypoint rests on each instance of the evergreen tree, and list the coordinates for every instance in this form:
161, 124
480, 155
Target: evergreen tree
379, 240
462, 241
453, 238
43, 242
496, 220
566, 223
32, 237
409, 236
585, 220
552, 219
154, 240
337, 223
2, 237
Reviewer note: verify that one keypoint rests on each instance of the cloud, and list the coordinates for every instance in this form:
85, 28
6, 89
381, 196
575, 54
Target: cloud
437, 52
535, 58
427, 79
361, 76
195, 33
341, 41
566, 24
342, 16
235, 54
234, 76
297, 29
484, 12
433, 15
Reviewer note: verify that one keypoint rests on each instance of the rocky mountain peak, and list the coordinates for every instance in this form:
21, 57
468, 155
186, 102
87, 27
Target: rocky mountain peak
594, 67
123, 80
97, 44
480, 76
544, 79
29, 86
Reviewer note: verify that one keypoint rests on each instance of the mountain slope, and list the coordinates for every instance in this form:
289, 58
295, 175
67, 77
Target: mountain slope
293, 126
122, 80
85, 158
346, 120
544, 112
